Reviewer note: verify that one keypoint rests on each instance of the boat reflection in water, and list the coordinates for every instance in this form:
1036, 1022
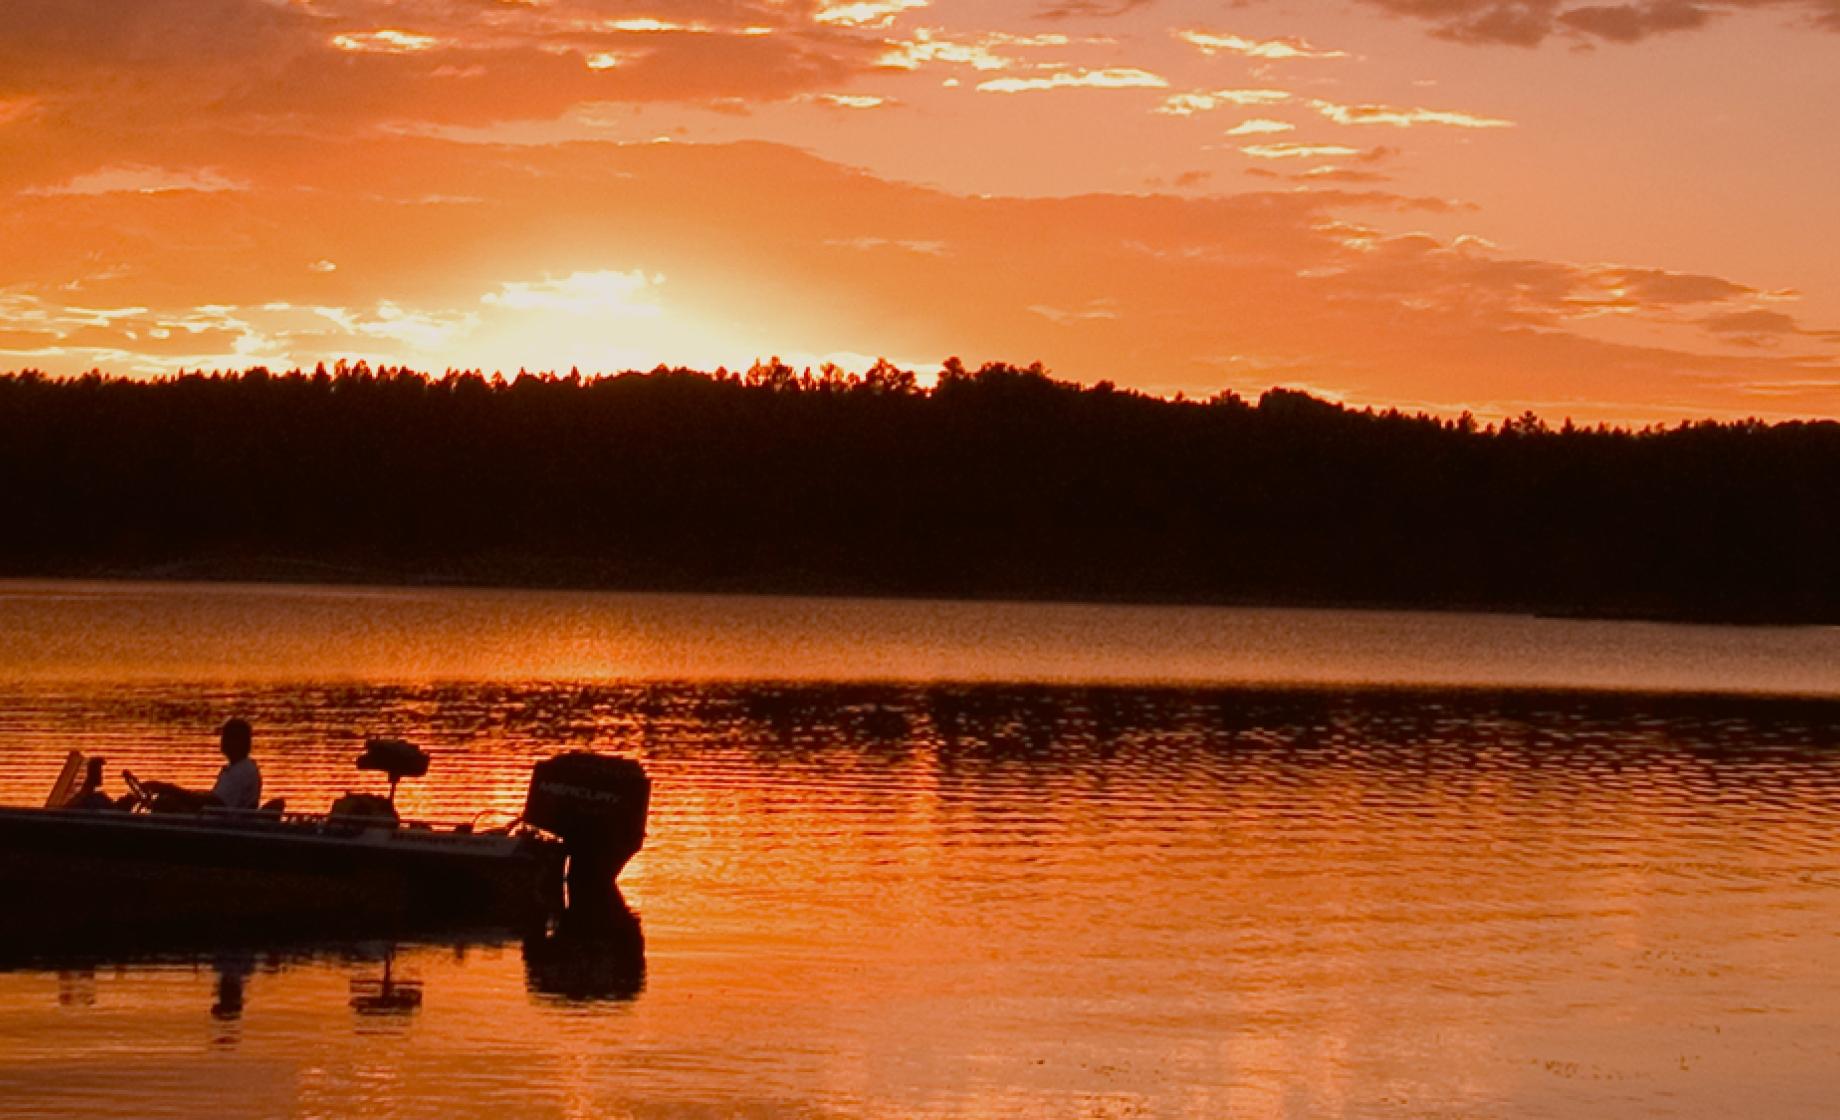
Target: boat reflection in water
592, 950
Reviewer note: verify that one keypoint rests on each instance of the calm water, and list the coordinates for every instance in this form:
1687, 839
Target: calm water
949, 860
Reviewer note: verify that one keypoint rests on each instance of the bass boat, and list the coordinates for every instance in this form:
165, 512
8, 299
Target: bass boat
130, 864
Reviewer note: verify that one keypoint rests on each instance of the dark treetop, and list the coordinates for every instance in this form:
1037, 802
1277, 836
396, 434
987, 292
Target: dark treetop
999, 482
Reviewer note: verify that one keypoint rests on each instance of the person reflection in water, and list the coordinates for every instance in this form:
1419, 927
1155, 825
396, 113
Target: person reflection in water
233, 971
239, 783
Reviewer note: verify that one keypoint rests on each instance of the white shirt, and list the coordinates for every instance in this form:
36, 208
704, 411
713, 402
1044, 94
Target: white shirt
239, 785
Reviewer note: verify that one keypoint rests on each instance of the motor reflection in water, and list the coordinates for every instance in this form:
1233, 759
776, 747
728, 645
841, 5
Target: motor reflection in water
592, 950
385, 996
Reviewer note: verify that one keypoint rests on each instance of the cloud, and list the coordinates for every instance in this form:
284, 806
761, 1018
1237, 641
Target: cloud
1657, 286
980, 52
1121, 77
127, 339
1334, 174
1212, 43
1403, 118
418, 330
1469, 273
1091, 9
867, 13
1096, 310
537, 260
854, 101
1529, 23
141, 179
1298, 151
86, 66
1755, 321
1259, 126
1626, 23
1759, 328
868, 244
386, 41
1188, 104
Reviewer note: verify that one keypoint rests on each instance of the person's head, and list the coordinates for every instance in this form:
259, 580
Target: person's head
235, 739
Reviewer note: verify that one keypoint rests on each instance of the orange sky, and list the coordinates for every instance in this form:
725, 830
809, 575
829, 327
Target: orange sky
1619, 211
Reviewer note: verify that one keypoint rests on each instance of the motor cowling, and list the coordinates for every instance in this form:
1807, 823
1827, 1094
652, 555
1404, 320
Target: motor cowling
596, 804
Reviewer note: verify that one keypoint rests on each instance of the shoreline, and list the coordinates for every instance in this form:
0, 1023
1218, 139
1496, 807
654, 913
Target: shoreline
534, 575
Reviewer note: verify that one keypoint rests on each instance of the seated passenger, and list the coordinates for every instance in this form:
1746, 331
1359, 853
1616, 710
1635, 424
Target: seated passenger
239, 782
89, 796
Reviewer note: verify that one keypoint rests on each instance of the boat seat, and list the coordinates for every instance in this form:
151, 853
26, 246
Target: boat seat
66, 785
273, 807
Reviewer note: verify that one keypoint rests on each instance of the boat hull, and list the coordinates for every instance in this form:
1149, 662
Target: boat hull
85, 871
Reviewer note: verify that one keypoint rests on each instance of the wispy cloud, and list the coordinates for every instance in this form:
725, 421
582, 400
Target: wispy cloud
1188, 104
1260, 126
420, 329
868, 13
1214, 42
1404, 118
1122, 77
909, 245
1098, 310
142, 179
980, 52
652, 25
1091, 9
854, 100
1755, 321
386, 41
1299, 151
84, 67
1528, 23
16, 108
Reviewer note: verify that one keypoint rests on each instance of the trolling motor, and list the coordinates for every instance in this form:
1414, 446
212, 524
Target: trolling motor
597, 805
396, 759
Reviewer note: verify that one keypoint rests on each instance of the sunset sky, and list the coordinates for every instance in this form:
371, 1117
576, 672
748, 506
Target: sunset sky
1620, 211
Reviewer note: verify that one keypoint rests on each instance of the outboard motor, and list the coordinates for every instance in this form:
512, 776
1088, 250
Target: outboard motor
597, 804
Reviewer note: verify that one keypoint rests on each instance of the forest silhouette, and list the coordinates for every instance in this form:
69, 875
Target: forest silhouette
998, 482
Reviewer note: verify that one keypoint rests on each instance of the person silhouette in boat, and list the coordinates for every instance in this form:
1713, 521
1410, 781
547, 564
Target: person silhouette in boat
89, 797
239, 782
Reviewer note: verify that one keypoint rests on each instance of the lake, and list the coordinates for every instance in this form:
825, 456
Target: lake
975, 860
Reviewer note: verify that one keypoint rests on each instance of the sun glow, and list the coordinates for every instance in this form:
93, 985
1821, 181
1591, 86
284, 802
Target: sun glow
605, 294
595, 321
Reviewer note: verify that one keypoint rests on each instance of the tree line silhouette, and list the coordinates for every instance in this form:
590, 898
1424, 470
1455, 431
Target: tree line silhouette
1000, 481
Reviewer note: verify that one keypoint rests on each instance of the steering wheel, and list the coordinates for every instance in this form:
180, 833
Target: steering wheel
143, 797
